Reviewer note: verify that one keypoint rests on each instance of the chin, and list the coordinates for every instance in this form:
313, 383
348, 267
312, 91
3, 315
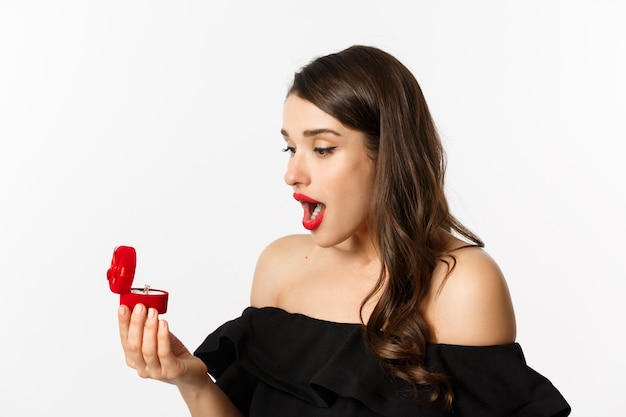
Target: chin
327, 241
324, 243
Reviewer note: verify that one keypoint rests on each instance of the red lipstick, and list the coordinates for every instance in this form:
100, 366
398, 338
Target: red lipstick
310, 206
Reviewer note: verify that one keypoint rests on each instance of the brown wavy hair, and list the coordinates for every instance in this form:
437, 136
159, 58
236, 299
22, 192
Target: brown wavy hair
368, 89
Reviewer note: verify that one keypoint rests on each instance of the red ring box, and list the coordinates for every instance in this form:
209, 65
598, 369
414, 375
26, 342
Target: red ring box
120, 276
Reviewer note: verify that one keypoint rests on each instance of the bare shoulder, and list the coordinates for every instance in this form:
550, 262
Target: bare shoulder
470, 303
275, 268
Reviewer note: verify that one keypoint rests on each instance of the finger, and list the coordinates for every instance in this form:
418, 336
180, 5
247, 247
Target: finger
134, 340
123, 319
165, 347
167, 359
150, 343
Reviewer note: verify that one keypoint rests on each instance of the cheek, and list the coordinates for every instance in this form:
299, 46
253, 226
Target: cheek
362, 190
367, 178
352, 183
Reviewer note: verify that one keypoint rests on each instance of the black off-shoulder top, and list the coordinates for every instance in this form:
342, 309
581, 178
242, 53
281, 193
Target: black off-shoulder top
272, 363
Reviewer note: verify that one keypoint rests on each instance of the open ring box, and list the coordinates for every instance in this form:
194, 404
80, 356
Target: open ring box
120, 276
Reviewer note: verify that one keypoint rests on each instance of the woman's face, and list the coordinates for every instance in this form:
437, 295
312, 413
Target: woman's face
329, 170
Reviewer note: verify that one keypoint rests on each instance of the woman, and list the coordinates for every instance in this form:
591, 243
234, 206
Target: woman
388, 307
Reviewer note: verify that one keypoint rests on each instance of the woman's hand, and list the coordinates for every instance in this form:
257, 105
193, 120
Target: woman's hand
156, 353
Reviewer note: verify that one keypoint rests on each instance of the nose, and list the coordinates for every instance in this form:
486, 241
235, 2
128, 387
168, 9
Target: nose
297, 172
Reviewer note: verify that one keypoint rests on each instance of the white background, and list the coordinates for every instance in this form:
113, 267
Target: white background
156, 124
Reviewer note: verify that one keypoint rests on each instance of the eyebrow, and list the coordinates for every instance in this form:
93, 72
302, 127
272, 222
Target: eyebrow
312, 132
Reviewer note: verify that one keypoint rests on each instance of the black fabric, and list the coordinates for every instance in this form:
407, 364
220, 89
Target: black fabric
272, 363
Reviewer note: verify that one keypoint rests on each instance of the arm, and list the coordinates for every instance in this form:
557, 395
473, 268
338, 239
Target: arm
155, 353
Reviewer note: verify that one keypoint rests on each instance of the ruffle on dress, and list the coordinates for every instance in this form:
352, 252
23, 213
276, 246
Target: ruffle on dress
272, 363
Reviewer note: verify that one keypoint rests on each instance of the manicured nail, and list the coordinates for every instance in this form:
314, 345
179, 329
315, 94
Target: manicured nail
151, 313
122, 310
138, 309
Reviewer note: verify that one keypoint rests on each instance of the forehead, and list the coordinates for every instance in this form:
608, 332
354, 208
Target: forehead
300, 116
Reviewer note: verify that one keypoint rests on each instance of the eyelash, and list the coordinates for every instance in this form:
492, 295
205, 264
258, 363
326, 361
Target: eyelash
320, 151
324, 151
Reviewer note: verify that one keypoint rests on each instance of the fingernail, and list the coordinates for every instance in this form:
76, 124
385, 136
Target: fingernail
138, 309
122, 310
151, 313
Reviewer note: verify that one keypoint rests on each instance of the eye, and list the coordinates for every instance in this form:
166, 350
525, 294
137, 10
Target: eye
290, 149
324, 151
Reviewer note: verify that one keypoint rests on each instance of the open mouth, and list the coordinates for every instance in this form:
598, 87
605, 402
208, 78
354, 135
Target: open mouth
317, 209
313, 211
